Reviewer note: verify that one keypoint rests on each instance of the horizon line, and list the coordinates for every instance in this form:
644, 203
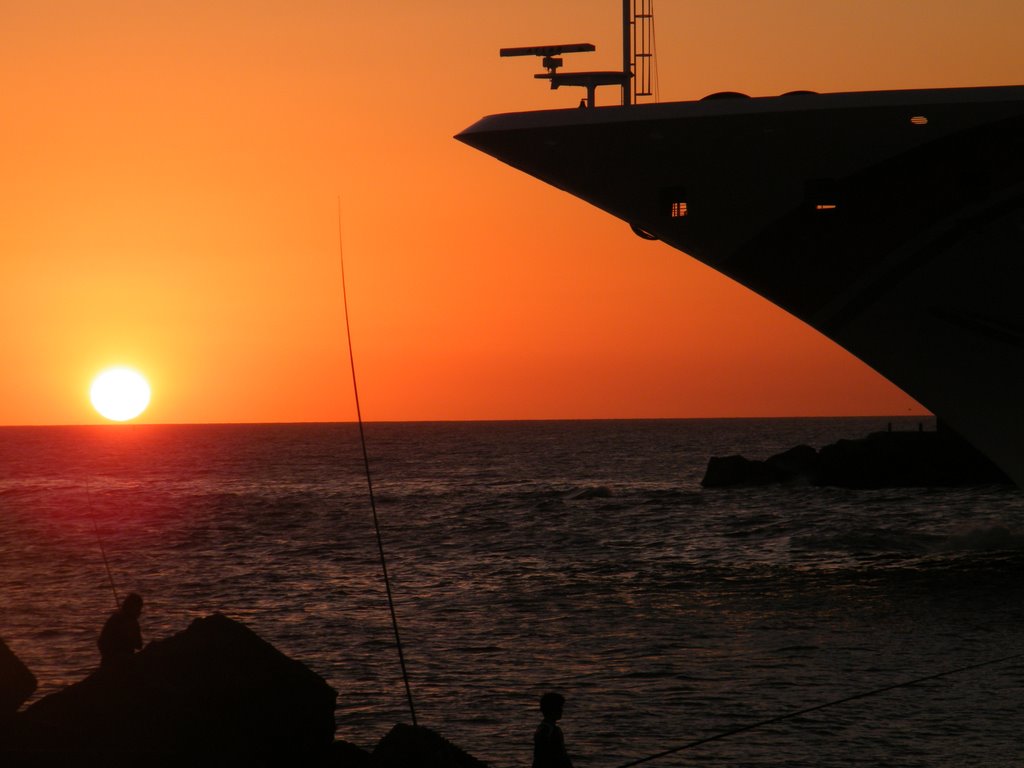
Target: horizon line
354, 422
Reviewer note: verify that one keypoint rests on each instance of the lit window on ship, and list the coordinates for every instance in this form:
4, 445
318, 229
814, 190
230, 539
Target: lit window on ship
821, 194
674, 203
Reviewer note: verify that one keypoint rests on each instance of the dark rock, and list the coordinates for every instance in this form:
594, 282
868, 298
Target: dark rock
881, 460
855, 464
408, 746
732, 471
797, 465
213, 694
342, 754
17, 683
905, 459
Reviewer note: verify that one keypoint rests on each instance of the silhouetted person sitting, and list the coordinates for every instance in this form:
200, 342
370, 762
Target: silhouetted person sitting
121, 636
548, 742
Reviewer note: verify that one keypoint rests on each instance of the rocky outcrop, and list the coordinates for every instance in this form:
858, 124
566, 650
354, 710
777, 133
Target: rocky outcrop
905, 459
881, 460
797, 465
17, 683
408, 746
737, 471
213, 694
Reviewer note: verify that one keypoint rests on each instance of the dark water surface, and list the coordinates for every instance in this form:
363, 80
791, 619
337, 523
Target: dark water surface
526, 556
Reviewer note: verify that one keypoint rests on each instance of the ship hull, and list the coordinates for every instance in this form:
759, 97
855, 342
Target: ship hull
892, 222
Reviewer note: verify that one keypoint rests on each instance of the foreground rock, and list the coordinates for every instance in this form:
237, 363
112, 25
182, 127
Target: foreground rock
881, 460
17, 683
407, 746
215, 694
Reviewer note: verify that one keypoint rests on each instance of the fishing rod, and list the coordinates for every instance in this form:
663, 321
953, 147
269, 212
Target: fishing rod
99, 540
369, 481
815, 708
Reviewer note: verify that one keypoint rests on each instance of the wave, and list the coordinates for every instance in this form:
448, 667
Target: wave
992, 538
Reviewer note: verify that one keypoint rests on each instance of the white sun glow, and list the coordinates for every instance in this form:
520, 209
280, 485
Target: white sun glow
119, 394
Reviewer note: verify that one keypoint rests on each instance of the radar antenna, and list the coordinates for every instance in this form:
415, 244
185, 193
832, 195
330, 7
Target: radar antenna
551, 62
637, 58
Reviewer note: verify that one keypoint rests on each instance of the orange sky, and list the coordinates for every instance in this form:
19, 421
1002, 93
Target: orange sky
170, 177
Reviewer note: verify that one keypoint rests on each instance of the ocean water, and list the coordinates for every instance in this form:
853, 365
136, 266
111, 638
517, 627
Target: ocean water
582, 557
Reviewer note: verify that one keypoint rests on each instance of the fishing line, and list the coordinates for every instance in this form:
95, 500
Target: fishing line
99, 540
369, 481
780, 718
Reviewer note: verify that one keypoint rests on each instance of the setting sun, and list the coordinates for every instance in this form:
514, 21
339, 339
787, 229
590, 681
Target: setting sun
119, 394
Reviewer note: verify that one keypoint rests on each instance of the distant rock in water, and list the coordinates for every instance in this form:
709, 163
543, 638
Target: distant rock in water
17, 683
732, 471
799, 464
881, 460
215, 694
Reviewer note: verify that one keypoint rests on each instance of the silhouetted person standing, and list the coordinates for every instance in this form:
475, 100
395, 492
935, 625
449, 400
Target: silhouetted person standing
121, 636
548, 742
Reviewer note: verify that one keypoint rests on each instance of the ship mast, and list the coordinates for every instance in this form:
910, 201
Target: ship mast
627, 50
641, 24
